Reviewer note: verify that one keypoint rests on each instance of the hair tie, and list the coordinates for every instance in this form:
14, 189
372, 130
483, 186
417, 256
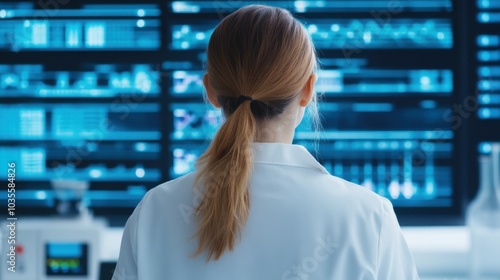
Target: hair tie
244, 98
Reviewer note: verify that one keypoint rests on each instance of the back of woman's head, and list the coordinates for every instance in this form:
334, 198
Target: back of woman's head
260, 52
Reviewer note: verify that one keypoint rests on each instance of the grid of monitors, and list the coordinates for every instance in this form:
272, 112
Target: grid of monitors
125, 110
488, 59
86, 124
90, 27
484, 102
73, 123
383, 122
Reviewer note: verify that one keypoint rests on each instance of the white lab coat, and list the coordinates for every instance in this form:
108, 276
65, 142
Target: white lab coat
303, 224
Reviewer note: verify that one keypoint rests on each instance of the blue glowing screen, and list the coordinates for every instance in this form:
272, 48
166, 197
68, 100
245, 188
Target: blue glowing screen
112, 94
93, 27
488, 60
66, 259
408, 160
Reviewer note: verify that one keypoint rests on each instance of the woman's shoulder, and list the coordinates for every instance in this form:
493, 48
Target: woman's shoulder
337, 186
175, 189
347, 195
182, 182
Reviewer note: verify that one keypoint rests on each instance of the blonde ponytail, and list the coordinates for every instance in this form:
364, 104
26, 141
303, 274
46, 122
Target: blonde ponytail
225, 170
260, 52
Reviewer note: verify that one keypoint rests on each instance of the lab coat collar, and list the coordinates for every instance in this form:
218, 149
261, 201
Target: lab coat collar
285, 154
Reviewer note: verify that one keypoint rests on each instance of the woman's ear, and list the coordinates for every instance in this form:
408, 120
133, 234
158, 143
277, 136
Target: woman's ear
308, 91
210, 93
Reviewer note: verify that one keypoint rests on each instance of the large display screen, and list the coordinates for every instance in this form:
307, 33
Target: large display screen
488, 59
91, 27
383, 124
111, 95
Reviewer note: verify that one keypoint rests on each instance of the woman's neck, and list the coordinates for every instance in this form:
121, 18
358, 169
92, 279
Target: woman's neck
276, 131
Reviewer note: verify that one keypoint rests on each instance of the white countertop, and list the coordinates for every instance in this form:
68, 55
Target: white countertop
440, 251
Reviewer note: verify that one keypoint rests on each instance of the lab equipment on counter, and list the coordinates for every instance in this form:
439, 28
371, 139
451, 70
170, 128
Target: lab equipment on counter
483, 219
63, 247
53, 248
69, 196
